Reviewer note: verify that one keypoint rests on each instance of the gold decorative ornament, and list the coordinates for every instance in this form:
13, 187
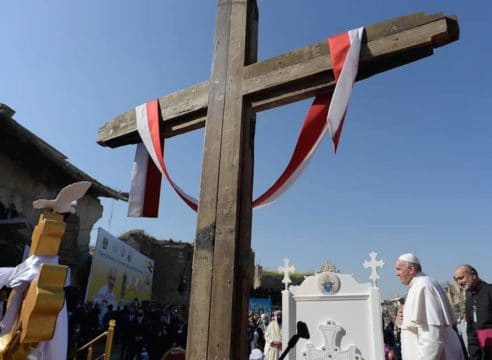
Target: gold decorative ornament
44, 297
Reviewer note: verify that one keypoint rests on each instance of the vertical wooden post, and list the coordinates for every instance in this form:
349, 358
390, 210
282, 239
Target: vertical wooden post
220, 281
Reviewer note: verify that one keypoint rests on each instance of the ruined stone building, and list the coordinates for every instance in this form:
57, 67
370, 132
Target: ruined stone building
172, 266
30, 169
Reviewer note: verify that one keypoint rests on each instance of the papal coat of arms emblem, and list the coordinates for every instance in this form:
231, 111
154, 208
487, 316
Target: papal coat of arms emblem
329, 283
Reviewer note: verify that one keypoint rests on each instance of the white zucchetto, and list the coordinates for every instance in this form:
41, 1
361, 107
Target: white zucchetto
409, 257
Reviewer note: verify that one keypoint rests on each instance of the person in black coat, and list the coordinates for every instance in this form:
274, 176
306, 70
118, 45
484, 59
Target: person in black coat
178, 329
160, 338
478, 310
141, 336
127, 333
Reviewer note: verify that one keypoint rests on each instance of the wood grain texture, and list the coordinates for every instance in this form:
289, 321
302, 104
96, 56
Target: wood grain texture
232, 239
203, 257
297, 75
224, 216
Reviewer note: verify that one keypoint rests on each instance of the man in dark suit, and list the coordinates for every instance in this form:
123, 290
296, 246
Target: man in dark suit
478, 309
127, 333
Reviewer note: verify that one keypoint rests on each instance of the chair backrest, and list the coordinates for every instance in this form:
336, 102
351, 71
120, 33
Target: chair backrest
175, 354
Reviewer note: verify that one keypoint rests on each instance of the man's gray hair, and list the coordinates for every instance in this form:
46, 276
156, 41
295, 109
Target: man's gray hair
416, 266
470, 269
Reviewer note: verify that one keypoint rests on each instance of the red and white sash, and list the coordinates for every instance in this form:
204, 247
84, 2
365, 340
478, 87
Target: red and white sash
327, 113
146, 175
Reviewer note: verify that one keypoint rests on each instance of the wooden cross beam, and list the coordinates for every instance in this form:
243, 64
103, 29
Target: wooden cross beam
238, 88
296, 75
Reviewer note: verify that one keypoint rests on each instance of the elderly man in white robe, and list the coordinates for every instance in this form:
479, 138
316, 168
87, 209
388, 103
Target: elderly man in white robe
427, 317
273, 337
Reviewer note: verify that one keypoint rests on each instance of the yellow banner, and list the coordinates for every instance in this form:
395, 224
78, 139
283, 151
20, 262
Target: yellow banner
119, 273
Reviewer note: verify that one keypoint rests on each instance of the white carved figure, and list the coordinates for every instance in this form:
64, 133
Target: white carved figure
332, 334
66, 200
286, 269
373, 264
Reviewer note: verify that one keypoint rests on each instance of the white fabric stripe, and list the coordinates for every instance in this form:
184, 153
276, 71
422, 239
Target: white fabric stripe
343, 88
178, 189
144, 132
139, 178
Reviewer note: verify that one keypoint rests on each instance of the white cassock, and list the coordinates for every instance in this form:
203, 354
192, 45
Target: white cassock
105, 293
272, 333
427, 332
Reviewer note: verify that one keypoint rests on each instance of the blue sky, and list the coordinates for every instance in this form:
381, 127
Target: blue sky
413, 168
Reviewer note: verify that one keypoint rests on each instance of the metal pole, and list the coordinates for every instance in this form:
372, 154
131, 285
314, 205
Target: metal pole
109, 340
89, 353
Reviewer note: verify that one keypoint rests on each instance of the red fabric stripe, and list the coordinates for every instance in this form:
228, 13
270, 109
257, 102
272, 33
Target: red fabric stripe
154, 118
310, 132
339, 46
188, 202
152, 190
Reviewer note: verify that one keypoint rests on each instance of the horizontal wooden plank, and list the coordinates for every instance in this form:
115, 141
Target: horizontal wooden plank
297, 75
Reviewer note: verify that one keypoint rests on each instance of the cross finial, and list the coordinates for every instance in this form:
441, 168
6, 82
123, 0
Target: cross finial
373, 264
286, 269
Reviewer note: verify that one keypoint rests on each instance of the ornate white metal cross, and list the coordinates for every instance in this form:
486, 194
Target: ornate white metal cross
332, 334
286, 269
373, 264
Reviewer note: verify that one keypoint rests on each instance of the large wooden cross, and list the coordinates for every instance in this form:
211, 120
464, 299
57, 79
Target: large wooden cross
226, 105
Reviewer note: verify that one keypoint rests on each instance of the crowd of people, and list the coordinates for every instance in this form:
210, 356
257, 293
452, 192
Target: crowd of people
425, 327
143, 331
146, 332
